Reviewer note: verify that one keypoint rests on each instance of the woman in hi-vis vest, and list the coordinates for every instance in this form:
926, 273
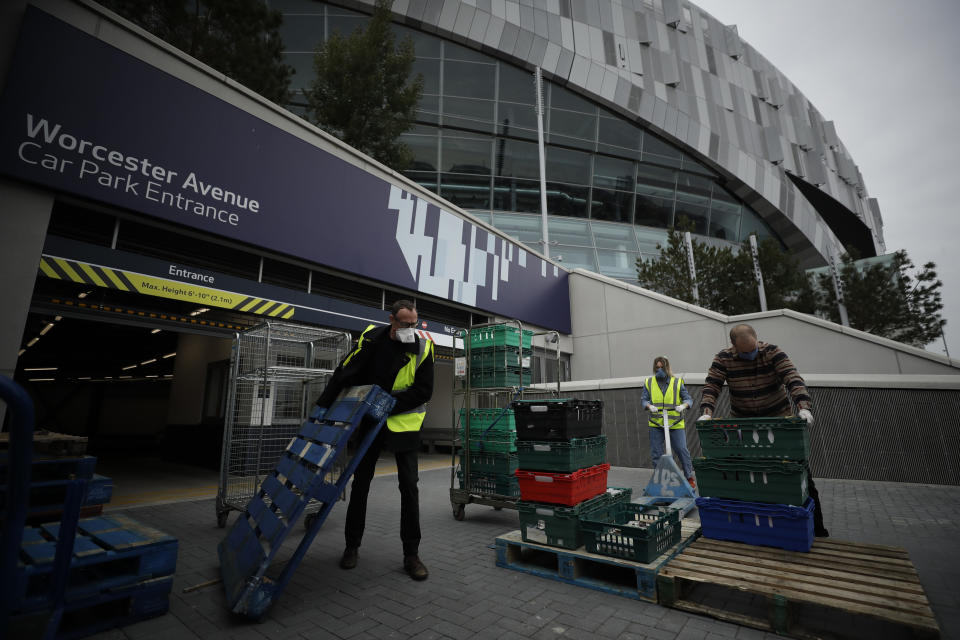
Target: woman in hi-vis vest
662, 388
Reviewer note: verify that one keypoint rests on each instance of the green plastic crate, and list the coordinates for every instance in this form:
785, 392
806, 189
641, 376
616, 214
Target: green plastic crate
558, 526
774, 481
782, 438
509, 377
500, 357
499, 484
500, 336
631, 531
491, 443
562, 456
489, 421
492, 462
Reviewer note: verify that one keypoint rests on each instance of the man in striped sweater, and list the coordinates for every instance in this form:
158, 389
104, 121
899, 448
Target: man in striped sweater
760, 377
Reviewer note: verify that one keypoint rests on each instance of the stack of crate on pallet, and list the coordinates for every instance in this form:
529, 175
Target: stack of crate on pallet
492, 453
500, 357
563, 473
754, 481
120, 571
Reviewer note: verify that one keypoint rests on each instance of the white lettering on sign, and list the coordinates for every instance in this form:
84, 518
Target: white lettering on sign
190, 275
49, 147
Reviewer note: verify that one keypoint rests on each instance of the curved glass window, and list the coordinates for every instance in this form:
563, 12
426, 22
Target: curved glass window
516, 85
526, 229
475, 145
513, 194
468, 79
517, 159
618, 264
570, 232
566, 199
619, 237
567, 165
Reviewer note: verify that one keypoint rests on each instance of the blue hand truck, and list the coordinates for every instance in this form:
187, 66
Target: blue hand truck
301, 475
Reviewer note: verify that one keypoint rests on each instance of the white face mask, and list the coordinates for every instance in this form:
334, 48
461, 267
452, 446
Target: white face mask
406, 335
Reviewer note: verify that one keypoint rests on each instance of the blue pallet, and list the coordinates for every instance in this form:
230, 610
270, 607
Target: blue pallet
303, 473
108, 552
48, 467
590, 570
114, 608
50, 495
770, 525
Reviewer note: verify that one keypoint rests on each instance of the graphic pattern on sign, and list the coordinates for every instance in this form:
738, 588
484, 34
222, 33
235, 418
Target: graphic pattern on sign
441, 259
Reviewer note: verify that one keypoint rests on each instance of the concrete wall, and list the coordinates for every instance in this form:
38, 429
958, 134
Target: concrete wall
896, 428
194, 353
618, 329
24, 216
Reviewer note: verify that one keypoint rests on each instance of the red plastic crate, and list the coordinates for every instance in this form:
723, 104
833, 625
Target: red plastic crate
563, 488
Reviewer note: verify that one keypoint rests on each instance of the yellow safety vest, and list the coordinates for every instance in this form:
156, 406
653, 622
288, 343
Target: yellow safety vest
659, 398
410, 420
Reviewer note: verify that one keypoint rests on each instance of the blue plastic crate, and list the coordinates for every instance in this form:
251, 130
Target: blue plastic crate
770, 525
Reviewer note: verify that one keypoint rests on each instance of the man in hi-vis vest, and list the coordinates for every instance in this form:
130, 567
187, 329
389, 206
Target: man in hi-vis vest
393, 357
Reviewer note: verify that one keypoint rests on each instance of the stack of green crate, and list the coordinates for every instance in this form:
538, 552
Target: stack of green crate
500, 357
754, 459
492, 451
754, 482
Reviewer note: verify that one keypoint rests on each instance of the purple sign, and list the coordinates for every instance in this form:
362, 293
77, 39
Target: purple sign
80, 116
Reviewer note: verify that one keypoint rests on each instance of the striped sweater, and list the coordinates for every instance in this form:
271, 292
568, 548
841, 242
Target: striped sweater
758, 388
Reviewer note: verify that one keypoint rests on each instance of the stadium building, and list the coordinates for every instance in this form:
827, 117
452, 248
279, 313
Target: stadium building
654, 111
153, 208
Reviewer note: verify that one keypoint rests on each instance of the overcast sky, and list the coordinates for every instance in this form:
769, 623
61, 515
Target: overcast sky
887, 74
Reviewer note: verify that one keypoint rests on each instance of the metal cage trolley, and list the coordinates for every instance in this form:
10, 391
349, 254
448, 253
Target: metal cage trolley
496, 371
277, 371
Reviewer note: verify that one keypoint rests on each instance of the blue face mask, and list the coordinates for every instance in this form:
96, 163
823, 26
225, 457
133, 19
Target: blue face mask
749, 355
661, 374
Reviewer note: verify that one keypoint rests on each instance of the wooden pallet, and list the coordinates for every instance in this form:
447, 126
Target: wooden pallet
593, 571
838, 590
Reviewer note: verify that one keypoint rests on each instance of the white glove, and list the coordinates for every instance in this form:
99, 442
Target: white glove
705, 416
682, 407
806, 415
652, 409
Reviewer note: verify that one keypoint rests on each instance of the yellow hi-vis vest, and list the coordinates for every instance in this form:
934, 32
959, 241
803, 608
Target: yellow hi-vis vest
410, 420
659, 398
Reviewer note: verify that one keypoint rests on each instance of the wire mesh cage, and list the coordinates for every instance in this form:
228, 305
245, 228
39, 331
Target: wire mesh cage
277, 372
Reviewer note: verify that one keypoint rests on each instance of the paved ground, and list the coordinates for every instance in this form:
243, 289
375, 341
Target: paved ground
467, 596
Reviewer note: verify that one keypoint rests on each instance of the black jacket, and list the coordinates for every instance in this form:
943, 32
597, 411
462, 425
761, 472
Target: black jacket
378, 361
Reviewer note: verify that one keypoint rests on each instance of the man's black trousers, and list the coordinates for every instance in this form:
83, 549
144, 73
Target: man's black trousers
409, 496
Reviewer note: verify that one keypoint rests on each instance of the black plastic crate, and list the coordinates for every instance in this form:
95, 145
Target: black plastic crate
560, 419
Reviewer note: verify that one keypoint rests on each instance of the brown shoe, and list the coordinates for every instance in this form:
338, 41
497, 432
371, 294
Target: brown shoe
414, 568
349, 558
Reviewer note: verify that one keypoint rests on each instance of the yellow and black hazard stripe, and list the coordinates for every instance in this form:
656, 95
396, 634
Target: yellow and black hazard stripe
91, 274
264, 307
83, 273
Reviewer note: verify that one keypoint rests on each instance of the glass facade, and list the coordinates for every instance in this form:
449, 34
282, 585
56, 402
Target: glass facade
612, 187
